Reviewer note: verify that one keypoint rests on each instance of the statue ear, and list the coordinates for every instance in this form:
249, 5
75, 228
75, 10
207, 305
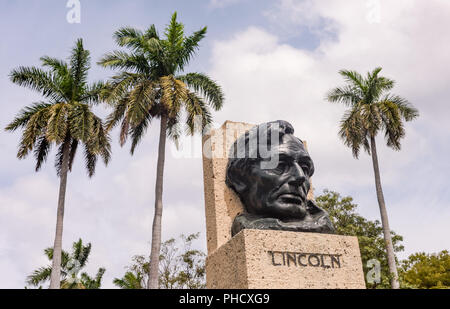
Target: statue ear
234, 180
239, 185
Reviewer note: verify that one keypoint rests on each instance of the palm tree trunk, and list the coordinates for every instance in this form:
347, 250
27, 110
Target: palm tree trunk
153, 280
384, 218
55, 277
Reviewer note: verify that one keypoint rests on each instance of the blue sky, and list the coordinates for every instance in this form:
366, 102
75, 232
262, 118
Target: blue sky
275, 60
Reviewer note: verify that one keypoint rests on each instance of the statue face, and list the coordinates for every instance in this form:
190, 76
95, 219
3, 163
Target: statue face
280, 192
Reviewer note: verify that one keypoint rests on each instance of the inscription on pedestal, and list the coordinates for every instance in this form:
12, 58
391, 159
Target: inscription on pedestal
301, 259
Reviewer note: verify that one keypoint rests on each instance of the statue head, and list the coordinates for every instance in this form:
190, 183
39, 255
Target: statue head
270, 169
277, 191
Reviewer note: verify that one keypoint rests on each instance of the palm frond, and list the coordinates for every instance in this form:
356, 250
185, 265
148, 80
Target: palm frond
352, 131
141, 98
99, 142
81, 252
196, 108
25, 114
354, 78
348, 95
371, 118
93, 283
151, 33
174, 93
129, 281
174, 131
376, 85
60, 155
137, 131
173, 44
407, 111
73, 152
35, 127
99, 275
190, 45
124, 129
392, 123
174, 33
118, 113
79, 67
202, 84
41, 150
49, 253
90, 160
120, 86
39, 276
92, 93
128, 37
80, 119
58, 66
121, 60
57, 125
38, 80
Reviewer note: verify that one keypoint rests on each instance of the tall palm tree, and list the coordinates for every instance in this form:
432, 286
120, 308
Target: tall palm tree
150, 86
71, 265
373, 109
64, 119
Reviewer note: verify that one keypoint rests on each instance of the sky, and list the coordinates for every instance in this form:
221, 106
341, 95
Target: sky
275, 59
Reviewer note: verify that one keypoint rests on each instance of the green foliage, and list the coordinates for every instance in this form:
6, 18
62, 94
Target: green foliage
149, 85
372, 109
180, 267
347, 221
134, 279
71, 265
65, 118
184, 267
426, 271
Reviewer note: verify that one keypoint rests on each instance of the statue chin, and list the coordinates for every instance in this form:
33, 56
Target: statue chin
316, 220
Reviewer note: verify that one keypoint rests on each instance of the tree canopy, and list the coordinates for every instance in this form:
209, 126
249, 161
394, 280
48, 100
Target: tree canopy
371, 109
343, 214
71, 265
64, 117
426, 271
151, 83
180, 267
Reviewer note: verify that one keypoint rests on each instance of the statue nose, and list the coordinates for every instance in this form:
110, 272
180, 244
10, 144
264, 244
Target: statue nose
297, 176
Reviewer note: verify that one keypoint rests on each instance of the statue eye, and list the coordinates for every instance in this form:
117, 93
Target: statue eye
305, 168
282, 166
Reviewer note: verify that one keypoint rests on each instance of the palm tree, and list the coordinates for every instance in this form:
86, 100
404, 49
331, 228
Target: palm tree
64, 119
149, 86
130, 281
71, 265
373, 109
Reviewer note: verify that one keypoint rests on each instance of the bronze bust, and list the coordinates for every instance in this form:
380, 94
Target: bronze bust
270, 169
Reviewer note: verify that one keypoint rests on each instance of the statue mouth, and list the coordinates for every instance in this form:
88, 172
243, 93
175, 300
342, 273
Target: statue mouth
291, 198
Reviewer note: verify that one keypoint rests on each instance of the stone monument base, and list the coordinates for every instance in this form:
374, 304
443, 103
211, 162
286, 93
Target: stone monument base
267, 259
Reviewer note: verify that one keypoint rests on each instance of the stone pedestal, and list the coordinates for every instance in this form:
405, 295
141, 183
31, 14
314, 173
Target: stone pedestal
256, 259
